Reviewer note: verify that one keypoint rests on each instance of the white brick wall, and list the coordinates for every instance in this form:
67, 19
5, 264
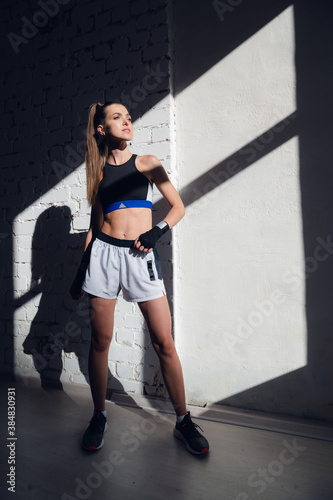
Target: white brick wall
93, 52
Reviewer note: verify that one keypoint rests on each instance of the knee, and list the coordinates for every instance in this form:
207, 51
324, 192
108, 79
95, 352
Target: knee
165, 349
100, 343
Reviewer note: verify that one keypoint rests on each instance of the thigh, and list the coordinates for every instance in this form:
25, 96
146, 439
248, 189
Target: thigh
102, 318
158, 318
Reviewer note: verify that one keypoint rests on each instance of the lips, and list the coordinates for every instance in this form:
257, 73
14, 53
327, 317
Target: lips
126, 130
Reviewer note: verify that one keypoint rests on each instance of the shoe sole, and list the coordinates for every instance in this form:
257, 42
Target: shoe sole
93, 448
180, 436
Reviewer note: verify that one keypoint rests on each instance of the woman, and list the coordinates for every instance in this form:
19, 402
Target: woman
120, 254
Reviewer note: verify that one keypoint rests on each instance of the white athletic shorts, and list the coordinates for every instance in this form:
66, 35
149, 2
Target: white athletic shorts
115, 265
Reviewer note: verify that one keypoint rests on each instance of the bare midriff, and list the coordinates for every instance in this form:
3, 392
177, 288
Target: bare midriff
127, 223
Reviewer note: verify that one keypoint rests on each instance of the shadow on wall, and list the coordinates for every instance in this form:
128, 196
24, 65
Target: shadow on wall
307, 391
55, 66
60, 324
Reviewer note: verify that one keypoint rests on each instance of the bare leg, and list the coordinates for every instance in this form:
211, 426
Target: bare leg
102, 316
157, 315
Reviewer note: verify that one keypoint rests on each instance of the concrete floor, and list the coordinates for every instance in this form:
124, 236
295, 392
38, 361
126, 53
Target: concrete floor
252, 455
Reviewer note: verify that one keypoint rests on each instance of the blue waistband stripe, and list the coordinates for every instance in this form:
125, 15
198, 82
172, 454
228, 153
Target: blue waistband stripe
128, 204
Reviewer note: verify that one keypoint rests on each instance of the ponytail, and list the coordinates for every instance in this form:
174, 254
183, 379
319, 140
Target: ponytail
96, 148
95, 156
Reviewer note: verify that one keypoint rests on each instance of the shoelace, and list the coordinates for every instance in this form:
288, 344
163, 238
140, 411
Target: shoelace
190, 429
94, 423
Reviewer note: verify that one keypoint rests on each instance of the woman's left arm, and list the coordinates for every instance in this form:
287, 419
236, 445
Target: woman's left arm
169, 192
155, 172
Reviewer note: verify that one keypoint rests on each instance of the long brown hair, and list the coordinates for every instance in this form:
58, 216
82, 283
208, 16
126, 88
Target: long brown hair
96, 148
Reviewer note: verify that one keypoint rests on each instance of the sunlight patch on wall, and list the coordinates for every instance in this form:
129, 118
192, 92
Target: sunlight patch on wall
239, 273
249, 91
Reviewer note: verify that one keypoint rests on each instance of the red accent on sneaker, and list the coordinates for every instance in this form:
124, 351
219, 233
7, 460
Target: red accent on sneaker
92, 447
205, 450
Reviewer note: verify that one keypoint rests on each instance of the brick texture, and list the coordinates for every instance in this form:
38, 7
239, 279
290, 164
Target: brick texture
88, 51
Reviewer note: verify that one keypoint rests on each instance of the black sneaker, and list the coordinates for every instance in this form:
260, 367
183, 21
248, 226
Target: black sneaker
187, 431
93, 437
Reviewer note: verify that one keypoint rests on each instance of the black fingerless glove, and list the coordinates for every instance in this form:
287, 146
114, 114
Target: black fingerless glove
76, 287
149, 238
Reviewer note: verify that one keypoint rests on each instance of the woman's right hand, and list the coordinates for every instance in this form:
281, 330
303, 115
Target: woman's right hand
76, 288
79, 296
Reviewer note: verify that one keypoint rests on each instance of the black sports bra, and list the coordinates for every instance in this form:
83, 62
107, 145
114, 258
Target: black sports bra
124, 186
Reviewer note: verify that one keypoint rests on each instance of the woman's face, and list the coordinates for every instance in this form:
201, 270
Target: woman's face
118, 123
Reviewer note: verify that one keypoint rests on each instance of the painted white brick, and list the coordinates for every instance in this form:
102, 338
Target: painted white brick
19, 338
24, 227
125, 307
129, 321
36, 211
124, 370
145, 373
112, 367
66, 377
80, 379
142, 135
22, 270
61, 195
156, 391
23, 256
160, 134
74, 207
23, 241
81, 175
150, 357
84, 205
159, 149
168, 167
15, 326
155, 117
34, 300
132, 386
20, 314
71, 364
141, 337
24, 360
125, 354
81, 223
124, 336
20, 284
31, 311
24, 328
79, 192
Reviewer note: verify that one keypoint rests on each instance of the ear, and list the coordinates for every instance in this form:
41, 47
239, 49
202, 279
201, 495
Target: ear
100, 130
